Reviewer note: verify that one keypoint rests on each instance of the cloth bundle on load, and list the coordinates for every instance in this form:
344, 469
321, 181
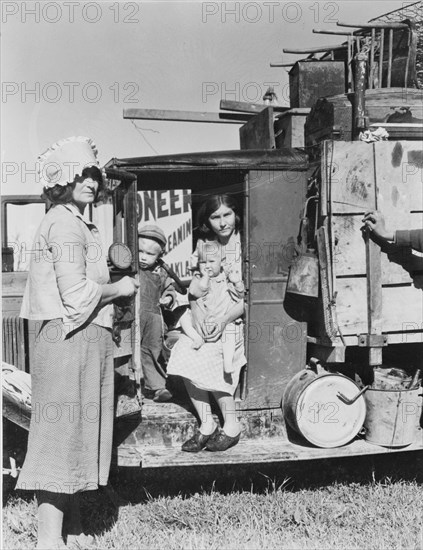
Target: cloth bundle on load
16, 390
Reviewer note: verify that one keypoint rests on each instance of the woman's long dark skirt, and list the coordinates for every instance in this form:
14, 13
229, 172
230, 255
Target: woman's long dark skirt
70, 437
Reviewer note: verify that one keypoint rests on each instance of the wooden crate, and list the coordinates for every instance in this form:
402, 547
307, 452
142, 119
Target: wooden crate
358, 177
289, 128
399, 110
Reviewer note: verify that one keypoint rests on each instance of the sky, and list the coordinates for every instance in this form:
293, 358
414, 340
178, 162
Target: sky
71, 68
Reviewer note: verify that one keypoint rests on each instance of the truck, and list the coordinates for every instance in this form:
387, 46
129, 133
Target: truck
320, 292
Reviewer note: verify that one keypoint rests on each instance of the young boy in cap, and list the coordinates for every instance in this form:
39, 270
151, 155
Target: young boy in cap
155, 288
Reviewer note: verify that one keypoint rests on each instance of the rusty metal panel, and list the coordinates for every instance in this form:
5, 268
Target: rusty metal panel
276, 332
310, 80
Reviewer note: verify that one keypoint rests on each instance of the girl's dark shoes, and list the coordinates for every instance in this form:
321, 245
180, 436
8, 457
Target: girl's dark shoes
221, 442
198, 441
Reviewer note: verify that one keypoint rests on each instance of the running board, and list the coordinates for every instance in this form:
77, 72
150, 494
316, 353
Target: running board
248, 451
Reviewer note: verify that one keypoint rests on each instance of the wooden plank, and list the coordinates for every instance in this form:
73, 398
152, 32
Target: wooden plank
316, 49
401, 131
301, 111
244, 107
395, 98
326, 172
348, 166
250, 451
409, 337
402, 307
185, 116
258, 132
349, 257
374, 297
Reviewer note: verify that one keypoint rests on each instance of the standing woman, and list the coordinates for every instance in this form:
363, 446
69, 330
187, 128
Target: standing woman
202, 369
70, 296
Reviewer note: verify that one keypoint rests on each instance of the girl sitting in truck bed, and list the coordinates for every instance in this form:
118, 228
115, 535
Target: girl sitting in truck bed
203, 369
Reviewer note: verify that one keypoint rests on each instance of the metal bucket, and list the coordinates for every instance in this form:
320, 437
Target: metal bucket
303, 275
324, 408
392, 416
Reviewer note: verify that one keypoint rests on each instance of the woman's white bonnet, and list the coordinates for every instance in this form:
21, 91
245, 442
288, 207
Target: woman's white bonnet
65, 160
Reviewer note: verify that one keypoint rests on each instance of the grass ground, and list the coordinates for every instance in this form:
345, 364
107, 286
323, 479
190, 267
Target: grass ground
362, 502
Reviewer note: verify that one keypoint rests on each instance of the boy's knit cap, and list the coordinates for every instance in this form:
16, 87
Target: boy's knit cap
153, 232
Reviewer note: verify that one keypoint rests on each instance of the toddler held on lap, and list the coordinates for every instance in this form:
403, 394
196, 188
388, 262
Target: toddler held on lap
212, 294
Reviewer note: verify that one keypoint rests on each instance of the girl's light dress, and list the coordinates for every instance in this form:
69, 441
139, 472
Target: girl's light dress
205, 367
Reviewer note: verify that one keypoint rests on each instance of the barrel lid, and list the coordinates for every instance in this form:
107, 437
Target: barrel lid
323, 418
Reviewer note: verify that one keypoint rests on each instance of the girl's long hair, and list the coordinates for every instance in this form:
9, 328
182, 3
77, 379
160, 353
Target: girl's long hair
210, 205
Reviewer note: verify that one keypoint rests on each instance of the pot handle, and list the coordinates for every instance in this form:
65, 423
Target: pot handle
347, 401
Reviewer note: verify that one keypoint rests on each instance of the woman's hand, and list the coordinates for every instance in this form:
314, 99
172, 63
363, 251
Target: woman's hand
375, 222
127, 287
121, 290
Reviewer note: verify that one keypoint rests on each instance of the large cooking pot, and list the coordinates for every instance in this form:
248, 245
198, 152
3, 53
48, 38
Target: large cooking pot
327, 409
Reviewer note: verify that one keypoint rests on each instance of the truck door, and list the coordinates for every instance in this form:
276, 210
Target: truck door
276, 337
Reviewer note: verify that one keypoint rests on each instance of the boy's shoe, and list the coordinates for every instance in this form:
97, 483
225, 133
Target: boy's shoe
162, 395
221, 442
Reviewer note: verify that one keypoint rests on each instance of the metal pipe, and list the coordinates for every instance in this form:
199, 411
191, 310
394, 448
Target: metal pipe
381, 46
316, 49
359, 101
372, 61
381, 25
391, 40
332, 31
350, 84
407, 66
